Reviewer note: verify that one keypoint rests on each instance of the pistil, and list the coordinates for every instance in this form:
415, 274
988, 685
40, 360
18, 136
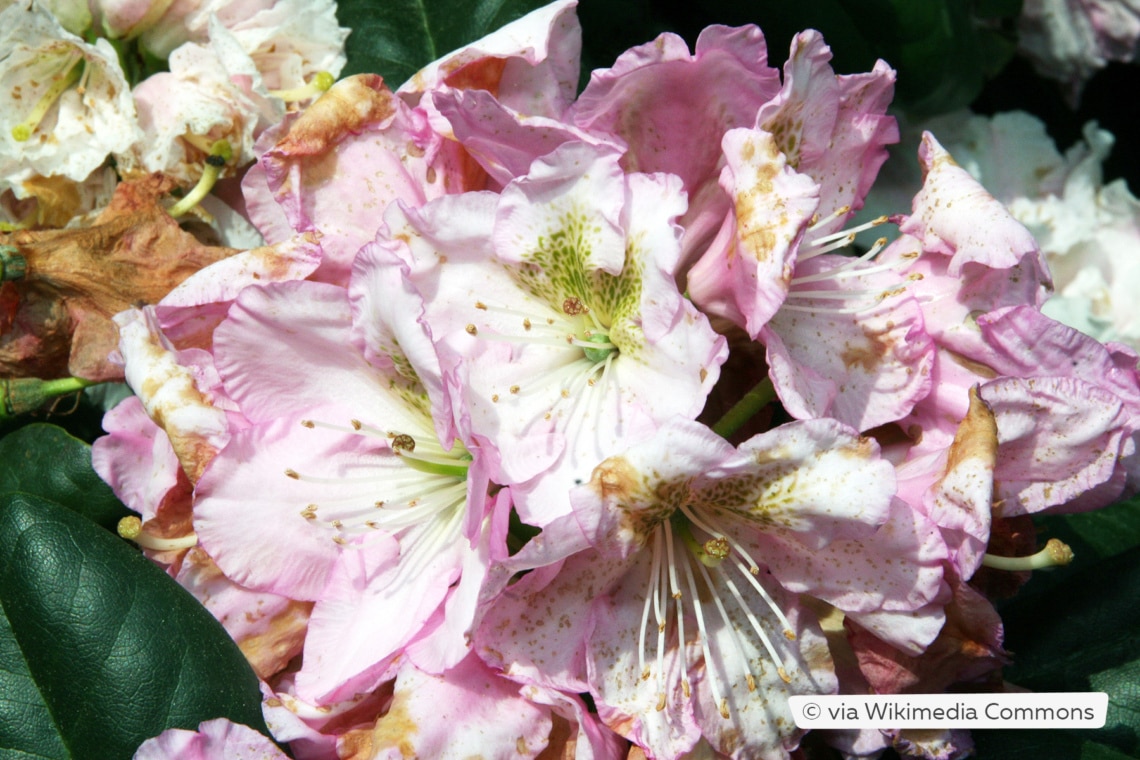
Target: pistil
60, 83
220, 154
318, 85
1055, 554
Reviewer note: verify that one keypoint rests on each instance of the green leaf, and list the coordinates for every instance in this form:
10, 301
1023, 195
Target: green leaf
99, 649
44, 460
396, 38
1108, 531
1081, 634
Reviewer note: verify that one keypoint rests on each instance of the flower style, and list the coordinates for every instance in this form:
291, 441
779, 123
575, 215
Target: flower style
671, 592
555, 305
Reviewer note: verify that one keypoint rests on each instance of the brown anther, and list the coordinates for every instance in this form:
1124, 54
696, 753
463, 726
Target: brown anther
480, 306
526, 324
660, 701
514, 389
308, 423
751, 683
379, 505
724, 708
565, 393
573, 306
372, 524
471, 329
339, 540
292, 474
309, 512
336, 523
403, 442
784, 675
685, 688
790, 635
494, 398
356, 424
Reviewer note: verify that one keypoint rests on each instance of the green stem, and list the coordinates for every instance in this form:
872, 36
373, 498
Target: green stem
756, 399
26, 394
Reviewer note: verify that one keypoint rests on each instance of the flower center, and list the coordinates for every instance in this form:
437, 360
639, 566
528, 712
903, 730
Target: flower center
417, 484
840, 297
720, 563
582, 363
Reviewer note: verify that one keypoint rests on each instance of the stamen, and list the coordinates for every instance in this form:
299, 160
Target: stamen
679, 611
712, 679
817, 222
649, 595
68, 76
749, 679
755, 623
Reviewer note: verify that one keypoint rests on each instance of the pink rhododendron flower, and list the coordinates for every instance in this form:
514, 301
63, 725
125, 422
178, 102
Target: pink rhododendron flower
556, 303
794, 510
218, 739
1088, 231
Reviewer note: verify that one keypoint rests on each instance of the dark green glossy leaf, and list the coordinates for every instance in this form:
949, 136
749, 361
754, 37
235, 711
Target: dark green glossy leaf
1081, 634
99, 649
44, 460
396, 38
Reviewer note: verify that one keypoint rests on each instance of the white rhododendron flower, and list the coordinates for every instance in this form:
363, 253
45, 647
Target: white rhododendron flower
64, 104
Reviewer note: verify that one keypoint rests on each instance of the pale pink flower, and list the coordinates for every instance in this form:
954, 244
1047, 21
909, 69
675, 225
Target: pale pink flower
382, 147
381, 507
212, 92
614, 605
219, 739
471, 707
556, 304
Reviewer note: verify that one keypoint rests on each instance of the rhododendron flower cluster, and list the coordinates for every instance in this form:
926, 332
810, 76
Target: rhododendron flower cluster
557, 424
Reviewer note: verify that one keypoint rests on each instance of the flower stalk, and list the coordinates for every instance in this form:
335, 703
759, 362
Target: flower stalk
762, 394
26, 394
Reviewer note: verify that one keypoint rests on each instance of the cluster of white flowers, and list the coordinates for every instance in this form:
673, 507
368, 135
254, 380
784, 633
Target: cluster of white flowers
155, 85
